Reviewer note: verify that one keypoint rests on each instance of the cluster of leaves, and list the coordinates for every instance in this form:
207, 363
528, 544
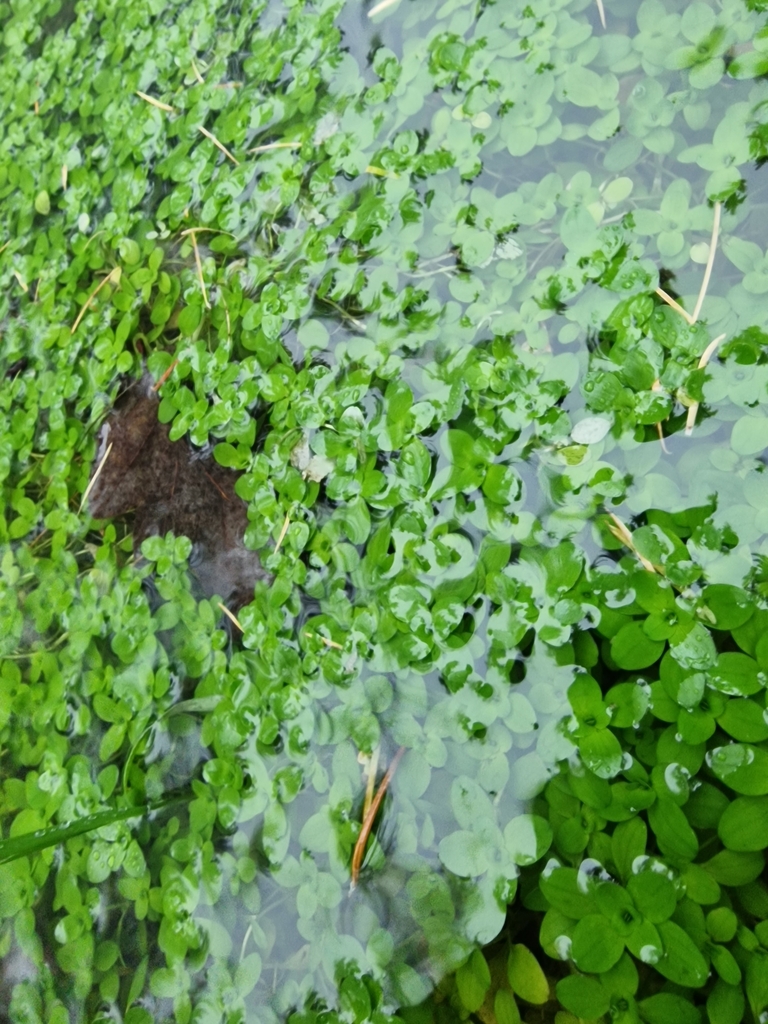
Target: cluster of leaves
414, 303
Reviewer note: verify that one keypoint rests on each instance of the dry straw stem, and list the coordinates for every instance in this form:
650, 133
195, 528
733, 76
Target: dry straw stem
373, 767
21, 280
283, 532
197, 74
601, 12
114, 275
661, 439
620, 531
275, 145
215, 141
231, 617
165, 376
199, 266
155, 103
95, 477
370, 817
326, 641
5, 246
675, 305
710, 262
383, 5
693, 410
64, 174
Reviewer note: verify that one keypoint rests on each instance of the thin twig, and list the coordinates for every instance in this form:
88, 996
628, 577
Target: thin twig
601, 12
231, 616
199, 266
114, 275
215, 141
381, 6
675, 305
710, 263
154, 102
283, 532
165, 376
95, 477
275, 145
365, 830
221, 492
706, 355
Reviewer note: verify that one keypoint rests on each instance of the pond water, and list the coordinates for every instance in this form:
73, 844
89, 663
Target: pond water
455, 313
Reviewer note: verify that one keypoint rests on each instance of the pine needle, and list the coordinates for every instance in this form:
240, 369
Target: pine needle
710, 262
114, 275
215, 141
601, 12
155, 103
675, 305
95, 477
231, 617
365, 830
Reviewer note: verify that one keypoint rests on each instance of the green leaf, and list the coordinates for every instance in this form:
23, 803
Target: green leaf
667, 1008
654, 895
473, 979
584, 997
596, 947
526, 977
632, 648
744, 824
742, 767
682, 962
464, 853
674, 835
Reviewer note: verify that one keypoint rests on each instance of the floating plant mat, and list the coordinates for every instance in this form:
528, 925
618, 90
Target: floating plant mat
468, 301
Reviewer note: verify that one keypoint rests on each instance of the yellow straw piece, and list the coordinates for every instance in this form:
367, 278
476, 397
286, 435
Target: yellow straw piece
113, 275
232, 617
381, 6
283, 532
154, 102
275, 145
199, 265
95, 477
218, 145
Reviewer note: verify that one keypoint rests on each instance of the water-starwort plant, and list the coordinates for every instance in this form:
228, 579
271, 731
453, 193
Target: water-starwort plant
468, 297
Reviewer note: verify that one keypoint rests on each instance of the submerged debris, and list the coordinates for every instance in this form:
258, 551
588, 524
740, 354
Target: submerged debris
170, 486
